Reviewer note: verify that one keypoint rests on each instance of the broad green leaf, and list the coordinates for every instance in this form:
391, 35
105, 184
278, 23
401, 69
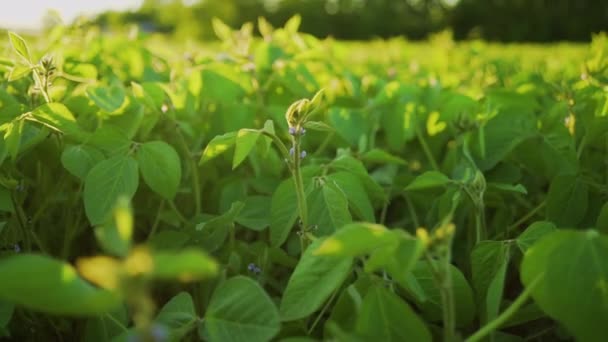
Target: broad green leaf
105, 327
517, 188
18, 72
430, 304
354, 166
108, 98
116, 235
567, 200
318, 126
160, 167
179, 315
573, 286
428, 180
184, 265
13, 137
20, 46
501, 135
222, 31
386, 317
80, 159
48, 285
59, 117
240, 310
489, 262
398, 259
381, 157
351, 186
533, 233
256, 213
105, 183
356, 239
328, 208
244, 143
211, 233
283, 212
312, 282
217, 146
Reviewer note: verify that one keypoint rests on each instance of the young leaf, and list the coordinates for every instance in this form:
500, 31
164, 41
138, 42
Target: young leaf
489, 261
256, 213
59, 117
105, 183
160, 167
356, 239
533, 233
428, 180
567, 200
20, 46
48, 285
572, 274
217, 146
179, 315
80, 159
386, 317
312, 282
283, 212
240, 310
245, 141
329, 208
355, 193
109, 98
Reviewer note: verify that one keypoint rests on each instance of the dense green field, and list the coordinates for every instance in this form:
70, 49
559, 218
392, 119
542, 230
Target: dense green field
280, 187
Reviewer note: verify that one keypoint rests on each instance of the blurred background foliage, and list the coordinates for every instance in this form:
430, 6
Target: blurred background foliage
495, 20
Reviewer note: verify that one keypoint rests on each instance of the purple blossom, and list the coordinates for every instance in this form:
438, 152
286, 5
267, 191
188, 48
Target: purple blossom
303, 154
292, 130
291, 151
253, 268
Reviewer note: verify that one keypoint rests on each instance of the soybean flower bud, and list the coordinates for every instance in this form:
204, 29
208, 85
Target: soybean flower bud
303, 154
292, 130
291, 151
253, 268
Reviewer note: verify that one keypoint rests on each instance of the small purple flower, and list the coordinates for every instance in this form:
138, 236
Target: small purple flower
291, 151
159, 333
292, 130
253, 268
17, 248
303, 155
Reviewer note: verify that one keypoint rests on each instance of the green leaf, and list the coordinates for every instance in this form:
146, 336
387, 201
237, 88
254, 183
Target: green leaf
160, 167
115, 236
20, 46
184, 265
13, 136
80, 159
489, 262
18, 72
354, 166
222, 31
59, 116
245, 141
105, 327
318, 126
381, 157
217, 146
386, 317
358, 200
356, 239
398, 259
328, 208
256, 213
533, 233
105, 183
517, 188
6, 313
573, 285
212, 232
430, 304
179, 315
312, 282
567, 200
428, 180
48, 285
240, 310
283, 212
109, 98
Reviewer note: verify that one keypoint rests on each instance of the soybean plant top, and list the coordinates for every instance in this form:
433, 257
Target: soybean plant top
279, 187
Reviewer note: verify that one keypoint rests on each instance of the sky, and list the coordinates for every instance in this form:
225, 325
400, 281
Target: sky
28, 14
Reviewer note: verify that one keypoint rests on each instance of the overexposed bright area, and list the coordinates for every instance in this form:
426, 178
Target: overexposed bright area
28, 14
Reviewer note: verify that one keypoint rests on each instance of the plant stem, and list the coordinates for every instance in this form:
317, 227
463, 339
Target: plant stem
177, 213
325, 307
427, 150
443, 279
524, 218
505, 315
196, 185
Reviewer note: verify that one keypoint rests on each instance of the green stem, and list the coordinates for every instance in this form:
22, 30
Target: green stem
427, 150
193, 168
524, 218
156, 219
505, 315
177, 213
325, 307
